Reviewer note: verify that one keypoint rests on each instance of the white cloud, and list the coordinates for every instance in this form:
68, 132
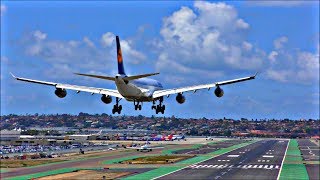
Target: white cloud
241, 24
279, 43
129, 52
272, 56
88, 42
247, 46
107, 39
38, 35
293, 65
3, 9
78, 55
206, 37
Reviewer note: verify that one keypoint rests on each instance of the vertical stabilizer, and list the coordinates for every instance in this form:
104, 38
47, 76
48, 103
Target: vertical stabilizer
119, 57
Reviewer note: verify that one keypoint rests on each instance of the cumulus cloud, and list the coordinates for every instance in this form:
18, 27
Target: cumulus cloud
207, 36
88, 42
272, 56
107, 39
293, 65
38, 35
79, 55
279, 43
3, 9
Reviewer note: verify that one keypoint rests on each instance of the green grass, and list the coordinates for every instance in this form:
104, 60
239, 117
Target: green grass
112, 161
3, 170
165, 170
293, 167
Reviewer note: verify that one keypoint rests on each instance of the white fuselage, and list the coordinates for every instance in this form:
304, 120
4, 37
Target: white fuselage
138, 90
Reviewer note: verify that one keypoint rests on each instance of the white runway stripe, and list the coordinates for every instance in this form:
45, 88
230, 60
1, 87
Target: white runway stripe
245, 166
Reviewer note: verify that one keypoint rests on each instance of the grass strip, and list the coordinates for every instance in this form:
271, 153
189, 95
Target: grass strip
293, 167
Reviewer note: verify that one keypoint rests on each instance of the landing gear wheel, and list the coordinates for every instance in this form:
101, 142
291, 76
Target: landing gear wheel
116, 107
140, 107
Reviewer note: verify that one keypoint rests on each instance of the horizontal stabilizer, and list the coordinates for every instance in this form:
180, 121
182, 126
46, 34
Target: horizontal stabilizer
97, 76
130, 78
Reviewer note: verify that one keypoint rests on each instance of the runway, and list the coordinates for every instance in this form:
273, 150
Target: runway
260, 160
210, 147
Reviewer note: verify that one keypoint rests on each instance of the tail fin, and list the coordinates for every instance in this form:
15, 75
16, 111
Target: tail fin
119, 57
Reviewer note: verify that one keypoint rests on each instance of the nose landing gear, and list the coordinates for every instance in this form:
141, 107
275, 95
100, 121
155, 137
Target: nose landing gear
117, 108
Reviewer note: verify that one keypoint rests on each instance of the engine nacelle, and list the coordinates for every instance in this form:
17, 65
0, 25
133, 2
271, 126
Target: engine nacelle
61, 93
218, 92
106, 99
180, 98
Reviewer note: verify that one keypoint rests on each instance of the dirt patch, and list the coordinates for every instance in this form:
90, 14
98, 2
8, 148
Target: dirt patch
164, 159
16, 163
86, 174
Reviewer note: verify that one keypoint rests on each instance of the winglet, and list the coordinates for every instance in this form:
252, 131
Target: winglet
255, 74
13, 75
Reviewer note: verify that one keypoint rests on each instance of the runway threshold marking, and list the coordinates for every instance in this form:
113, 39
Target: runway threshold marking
267, 156
247, 166
233, 156
163, 171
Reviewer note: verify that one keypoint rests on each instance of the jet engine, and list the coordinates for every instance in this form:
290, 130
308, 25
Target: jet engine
106, 99
61, 93
218, 92
180, 98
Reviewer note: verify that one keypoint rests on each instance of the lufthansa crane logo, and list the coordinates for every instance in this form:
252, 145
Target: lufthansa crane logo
119, 56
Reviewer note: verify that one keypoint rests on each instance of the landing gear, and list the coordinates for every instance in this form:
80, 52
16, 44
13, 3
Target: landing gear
159, 107
117, 108
137, 106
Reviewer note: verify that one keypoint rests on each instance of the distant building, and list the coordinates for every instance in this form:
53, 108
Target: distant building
8, 135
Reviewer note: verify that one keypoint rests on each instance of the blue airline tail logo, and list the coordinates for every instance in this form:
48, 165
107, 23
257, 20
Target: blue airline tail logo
119, 57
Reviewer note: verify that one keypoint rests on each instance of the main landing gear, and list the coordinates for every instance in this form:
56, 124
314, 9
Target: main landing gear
159, 107
117, 108
137, 106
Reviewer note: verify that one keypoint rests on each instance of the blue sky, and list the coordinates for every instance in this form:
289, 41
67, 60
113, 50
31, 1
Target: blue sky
189, 43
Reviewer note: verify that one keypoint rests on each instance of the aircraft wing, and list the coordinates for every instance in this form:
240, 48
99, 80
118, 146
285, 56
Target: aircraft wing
168, 92
93, 90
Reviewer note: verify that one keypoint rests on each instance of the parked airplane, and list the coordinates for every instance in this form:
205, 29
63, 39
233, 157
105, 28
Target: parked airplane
145, 147
179, 137
135, 88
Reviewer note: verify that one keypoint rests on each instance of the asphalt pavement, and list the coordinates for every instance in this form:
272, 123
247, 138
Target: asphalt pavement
260, 160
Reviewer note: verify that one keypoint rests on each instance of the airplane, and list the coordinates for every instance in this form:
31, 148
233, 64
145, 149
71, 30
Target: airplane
145, 147
179, 137
136, 88
168, 138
